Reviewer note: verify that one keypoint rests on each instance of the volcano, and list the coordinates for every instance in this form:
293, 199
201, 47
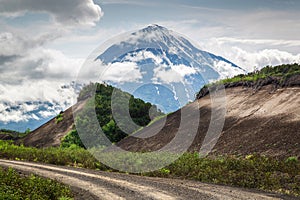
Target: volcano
161, 67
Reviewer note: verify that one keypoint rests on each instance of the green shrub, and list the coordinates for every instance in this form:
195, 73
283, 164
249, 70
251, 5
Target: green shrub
59, 117
58, 156
15, 187
71, 140
252, 171
292, 159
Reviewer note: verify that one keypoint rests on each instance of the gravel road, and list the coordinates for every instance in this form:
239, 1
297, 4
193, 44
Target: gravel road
91, 184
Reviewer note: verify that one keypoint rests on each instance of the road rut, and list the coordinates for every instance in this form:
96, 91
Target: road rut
107, 185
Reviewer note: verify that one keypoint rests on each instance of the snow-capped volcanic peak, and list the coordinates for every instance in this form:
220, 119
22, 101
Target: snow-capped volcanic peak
158, 40
159, 56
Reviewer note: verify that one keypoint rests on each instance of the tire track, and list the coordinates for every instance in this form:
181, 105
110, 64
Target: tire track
96, 190
147, 191
107, 185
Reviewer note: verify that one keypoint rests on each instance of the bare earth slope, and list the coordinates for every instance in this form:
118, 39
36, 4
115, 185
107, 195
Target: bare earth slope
51, 133
266, 121
90, 184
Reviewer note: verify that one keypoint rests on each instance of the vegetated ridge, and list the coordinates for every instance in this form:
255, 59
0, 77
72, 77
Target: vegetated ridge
61, 131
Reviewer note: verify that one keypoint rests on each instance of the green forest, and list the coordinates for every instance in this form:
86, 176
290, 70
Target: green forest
99, 99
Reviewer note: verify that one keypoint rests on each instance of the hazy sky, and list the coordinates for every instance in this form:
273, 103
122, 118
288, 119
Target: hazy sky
44, 43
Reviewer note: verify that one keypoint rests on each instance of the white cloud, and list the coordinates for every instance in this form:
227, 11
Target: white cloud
183, 70
57, 65
161, 74
259, 41
14, 116
19, 44
247, 55
40, 64
40, 90
121, 72
66, 12
46, 113
28, 107
19, 112
171, 73
226, 69
27, 101
263, 58
25, 59
31, 73
142, 55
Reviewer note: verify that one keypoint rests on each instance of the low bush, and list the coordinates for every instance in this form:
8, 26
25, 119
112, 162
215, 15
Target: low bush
14, 186
73, 156
59, 117
252, 171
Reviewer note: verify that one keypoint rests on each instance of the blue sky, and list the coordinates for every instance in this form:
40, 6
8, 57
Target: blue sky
46, 42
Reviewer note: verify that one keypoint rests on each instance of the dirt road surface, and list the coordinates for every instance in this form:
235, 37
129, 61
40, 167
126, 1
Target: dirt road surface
91, 184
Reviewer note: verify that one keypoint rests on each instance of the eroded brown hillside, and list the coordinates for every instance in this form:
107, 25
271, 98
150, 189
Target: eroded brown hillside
51, 133
264, 121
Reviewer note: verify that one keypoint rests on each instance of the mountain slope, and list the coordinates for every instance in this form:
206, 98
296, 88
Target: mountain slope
160, 60
261, 117
51, 133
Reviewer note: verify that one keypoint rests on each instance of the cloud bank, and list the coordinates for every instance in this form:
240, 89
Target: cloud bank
248, 55
32, 73
66, 12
